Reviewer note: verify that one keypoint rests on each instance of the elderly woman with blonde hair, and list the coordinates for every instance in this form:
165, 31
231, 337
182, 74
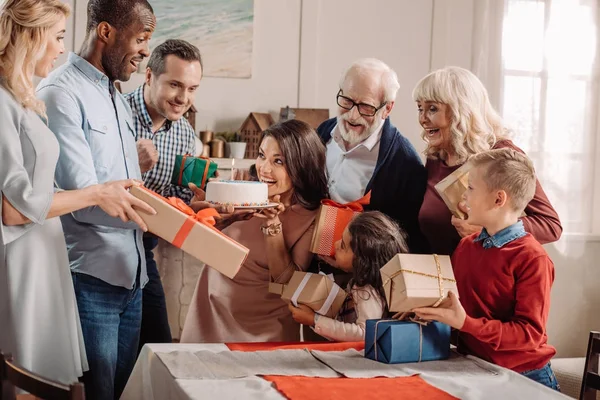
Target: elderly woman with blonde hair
459, 121
38, 312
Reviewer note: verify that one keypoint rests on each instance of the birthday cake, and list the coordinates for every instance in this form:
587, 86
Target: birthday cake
237, 193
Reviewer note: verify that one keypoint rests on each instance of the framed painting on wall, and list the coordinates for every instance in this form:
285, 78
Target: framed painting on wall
221, 29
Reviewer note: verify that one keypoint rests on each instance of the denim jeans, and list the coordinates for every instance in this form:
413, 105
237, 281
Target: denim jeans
155, 322
110, 321
544, 375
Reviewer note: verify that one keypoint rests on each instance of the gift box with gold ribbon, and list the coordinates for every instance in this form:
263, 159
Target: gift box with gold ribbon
394, 342
189, 169
317, 291
331, 221
192, 232
417, 280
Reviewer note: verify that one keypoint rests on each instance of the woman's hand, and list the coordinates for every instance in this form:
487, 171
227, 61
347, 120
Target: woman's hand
10, 215
302, 314
116, 201
198, 202
227, 214
271, 215
463, 227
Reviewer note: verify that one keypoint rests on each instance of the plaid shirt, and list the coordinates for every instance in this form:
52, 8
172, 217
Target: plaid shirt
173, 138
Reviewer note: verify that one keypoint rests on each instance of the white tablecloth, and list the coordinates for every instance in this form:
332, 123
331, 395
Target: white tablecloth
151, 380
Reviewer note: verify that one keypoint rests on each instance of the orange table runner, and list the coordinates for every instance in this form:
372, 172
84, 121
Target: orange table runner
308, 388
323, 346
405, 388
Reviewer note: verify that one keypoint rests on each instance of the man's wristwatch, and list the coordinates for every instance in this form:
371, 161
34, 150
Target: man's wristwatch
271, 229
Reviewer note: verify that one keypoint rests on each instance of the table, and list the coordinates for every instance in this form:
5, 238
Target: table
151, 380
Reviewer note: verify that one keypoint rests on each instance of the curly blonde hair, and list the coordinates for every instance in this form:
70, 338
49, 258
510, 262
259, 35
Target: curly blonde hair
474, 124
24, 30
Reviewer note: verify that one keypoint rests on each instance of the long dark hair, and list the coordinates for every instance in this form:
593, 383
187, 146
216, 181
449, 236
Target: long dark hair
304, 154
375, 240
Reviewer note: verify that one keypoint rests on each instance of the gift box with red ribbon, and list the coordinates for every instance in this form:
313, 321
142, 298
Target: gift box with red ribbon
192, 232
333, 218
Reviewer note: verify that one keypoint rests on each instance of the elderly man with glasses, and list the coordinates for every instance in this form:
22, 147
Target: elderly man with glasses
365, 152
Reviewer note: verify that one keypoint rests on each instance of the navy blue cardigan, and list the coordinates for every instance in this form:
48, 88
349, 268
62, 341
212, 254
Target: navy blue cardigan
398, 182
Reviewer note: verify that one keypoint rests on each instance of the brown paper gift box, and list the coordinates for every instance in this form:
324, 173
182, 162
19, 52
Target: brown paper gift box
314, 294
202, 241
452, 187
417, 280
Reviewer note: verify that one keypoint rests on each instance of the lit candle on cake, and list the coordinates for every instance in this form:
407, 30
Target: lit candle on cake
232, 164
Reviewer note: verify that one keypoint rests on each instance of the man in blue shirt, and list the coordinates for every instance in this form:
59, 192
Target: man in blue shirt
172, 78
92, 122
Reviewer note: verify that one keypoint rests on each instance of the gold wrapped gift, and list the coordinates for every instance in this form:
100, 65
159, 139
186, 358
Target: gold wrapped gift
452, 188
417, 280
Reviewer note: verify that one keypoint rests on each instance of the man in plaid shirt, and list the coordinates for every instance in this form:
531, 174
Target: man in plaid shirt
172, 78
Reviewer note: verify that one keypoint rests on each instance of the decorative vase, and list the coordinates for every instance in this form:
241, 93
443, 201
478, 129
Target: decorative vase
237, 149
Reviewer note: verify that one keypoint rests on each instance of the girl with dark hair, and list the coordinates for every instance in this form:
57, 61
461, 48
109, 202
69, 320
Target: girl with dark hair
368, 243
291, 162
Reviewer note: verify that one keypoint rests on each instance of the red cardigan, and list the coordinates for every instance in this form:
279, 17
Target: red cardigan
434, 217
506, 294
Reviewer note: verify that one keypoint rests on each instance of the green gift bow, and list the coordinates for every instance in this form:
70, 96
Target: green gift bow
196, 170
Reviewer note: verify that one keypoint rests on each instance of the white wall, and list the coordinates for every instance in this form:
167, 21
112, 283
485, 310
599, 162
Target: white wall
300, 49
302, 46
575, 302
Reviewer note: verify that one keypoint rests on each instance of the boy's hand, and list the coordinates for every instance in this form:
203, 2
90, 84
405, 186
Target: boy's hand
302, 314
464, 228
450, 312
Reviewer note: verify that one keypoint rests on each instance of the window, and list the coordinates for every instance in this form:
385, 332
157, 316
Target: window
550, 99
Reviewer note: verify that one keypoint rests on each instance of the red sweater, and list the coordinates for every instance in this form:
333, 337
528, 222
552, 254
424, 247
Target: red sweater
434, 217
506, 294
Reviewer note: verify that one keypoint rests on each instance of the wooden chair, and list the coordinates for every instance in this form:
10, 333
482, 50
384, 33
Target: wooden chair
12, 377
591, 380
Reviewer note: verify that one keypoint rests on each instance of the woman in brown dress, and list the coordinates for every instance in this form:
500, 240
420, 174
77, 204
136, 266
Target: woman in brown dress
458, 121
291, 161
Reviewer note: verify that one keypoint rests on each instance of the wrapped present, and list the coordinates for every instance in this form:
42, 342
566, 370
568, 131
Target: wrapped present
189, 169
192, 232
318, 291
417, 280
332, 219
395, 342
452, 188
276, 288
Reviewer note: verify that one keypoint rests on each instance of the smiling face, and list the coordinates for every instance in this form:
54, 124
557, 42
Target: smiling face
367, 89
127, 48
54, 47
435, 120
171, 93
271, 168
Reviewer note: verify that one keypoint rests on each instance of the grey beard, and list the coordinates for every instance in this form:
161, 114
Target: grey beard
353, 138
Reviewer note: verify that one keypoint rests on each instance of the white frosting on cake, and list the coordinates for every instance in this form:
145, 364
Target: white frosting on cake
237, 193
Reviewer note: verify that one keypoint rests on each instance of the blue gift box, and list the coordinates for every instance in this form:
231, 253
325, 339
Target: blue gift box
395, 342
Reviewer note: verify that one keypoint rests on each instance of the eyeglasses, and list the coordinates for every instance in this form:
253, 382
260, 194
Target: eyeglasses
366, 110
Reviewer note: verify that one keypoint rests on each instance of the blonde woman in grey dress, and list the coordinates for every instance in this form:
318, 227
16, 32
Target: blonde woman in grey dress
38, 312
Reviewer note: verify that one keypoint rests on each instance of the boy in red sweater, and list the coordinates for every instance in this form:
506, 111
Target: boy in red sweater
503, 274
